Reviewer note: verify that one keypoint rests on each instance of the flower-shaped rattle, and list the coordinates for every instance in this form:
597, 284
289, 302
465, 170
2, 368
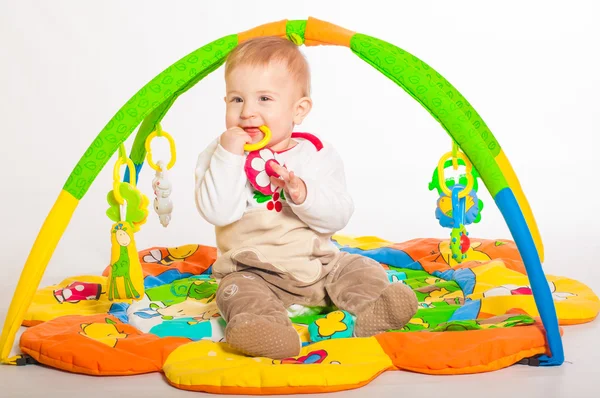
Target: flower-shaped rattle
259, 164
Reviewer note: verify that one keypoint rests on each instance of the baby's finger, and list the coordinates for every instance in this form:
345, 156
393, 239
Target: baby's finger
237, 130
282, 171
295, 196
294, 180
277, 182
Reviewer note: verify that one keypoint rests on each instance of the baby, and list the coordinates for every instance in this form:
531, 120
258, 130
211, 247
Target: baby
276, 209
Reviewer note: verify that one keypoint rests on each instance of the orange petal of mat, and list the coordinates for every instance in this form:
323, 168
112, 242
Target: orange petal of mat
473, 351
190, 258
97, 345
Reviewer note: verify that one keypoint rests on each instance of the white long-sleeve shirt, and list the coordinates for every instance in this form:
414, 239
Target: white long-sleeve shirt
223, 192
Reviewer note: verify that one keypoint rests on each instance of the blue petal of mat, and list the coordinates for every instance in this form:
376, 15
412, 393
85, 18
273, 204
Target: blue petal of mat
469, 311
387, 255
164, 278
395, 276
119, 310
183, 327
466, 280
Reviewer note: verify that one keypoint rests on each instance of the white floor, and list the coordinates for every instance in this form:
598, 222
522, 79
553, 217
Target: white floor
578, 377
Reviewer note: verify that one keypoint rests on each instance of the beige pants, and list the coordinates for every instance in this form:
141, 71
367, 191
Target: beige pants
254, 302
349, 282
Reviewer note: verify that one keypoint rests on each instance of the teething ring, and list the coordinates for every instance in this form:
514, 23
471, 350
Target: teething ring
441, 168
166, 135
122, 160
262, 143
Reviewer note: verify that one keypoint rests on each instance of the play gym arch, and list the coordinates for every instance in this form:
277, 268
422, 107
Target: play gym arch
150, 104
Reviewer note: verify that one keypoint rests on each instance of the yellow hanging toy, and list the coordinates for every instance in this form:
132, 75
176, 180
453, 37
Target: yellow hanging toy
128, 208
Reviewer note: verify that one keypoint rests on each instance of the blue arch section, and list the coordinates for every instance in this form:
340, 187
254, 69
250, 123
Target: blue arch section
509, 207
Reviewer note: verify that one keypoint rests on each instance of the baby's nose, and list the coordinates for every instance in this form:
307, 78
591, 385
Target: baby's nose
248, 112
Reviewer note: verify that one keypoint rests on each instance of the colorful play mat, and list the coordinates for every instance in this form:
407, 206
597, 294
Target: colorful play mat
473, 317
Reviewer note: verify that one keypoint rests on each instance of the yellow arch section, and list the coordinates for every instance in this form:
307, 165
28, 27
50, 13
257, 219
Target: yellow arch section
43, 248
515, 186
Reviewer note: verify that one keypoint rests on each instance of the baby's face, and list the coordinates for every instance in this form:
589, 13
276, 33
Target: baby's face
264, 95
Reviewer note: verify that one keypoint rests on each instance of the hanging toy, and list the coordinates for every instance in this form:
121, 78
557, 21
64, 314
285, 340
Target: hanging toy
163, 206
458, 204
259, 164
128, 209
459, 241
443, 211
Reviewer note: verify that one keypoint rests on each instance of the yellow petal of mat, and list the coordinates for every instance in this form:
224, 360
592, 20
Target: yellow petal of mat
361, 242
49, 303
302, 332
501, 290
344, 362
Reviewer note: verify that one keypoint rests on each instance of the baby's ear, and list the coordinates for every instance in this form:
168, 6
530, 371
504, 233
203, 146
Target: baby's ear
303, 107
225, 99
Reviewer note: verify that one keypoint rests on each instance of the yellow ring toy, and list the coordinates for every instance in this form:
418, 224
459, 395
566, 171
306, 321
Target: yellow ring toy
441, 168
262, 143
160, 133
122, 160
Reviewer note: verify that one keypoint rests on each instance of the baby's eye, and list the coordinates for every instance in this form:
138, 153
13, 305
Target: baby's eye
264, 98
236, 99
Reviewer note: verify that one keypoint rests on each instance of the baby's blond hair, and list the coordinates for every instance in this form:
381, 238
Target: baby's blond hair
260, 51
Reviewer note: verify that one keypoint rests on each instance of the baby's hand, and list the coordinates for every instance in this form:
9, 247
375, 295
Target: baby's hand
234, 139
293, 185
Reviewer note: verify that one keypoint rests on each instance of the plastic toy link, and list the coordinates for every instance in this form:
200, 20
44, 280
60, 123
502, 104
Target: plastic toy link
262, 143
163, 206
458, 204
128, 209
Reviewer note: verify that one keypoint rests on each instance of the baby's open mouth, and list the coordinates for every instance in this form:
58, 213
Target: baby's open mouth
252, 130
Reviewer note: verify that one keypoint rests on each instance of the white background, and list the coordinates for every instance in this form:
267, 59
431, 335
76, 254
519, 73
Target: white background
531, 70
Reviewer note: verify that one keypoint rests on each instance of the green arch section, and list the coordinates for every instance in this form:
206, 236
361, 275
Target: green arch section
441, 100
151, 103
295, 32
138, 151
153, 100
